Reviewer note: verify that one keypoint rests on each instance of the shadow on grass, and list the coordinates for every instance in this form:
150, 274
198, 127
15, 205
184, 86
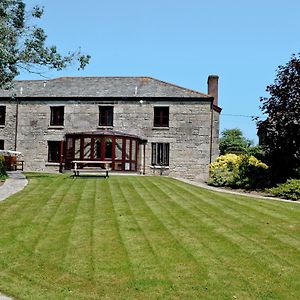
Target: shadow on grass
87, 176
39, 175
32, 175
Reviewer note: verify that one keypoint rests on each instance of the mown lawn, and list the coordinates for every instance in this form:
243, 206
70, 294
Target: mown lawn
130, 237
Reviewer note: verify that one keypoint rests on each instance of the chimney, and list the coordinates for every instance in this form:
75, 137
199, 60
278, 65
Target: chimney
212, 87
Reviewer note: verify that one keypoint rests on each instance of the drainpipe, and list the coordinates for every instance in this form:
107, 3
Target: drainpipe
144, 163
211, 131
17, 119
61, 157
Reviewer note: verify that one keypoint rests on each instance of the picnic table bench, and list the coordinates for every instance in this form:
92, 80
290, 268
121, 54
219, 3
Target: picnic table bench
84, 167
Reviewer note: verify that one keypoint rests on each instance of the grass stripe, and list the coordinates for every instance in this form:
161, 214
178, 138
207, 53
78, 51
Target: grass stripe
149, 274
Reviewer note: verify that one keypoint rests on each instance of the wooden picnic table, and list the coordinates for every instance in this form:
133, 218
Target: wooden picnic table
91, 166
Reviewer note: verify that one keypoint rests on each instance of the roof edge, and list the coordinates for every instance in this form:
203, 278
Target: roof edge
203, 95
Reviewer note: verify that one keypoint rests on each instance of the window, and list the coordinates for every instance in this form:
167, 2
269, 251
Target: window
161, 116
57, 116
1, 144
2, 115
160, 154
106, 115
54, 151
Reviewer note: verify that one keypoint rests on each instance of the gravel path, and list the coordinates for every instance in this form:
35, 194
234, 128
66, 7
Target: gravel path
15, 183
4, 297
223, 190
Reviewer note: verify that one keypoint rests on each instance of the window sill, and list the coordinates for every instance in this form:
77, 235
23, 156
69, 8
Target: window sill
105, 127
56, 127
49, 164
160, 128
2, 126
160, 167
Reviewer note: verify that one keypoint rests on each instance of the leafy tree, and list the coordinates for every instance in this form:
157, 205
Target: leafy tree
233, 141
23, 45
280, 132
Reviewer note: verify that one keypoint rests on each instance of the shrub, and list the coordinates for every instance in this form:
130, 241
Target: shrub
224, 171
257, 151
3, 173
253, 173
288, 190
235, 171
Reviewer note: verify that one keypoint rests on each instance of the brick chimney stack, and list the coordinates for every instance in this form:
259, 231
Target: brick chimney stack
212, 86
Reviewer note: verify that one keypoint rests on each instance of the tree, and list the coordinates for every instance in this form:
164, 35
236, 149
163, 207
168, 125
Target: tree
280, 132
233, 141
22, 46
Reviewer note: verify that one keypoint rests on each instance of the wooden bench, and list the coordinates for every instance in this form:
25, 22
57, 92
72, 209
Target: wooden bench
83, 167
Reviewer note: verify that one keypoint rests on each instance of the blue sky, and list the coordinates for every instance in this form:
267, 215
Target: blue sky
181, 42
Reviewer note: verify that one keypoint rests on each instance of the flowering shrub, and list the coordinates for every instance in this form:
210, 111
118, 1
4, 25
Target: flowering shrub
224, 171
238, 171
253, 173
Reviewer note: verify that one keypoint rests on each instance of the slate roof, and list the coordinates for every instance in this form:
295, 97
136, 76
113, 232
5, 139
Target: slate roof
78, 87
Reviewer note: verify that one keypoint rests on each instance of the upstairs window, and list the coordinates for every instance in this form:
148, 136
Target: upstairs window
161, 116
2, 115
54, 151
160, 154
1, 144
57, 116
106, 115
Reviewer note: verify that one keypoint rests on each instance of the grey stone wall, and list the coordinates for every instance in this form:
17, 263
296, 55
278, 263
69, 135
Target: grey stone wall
216, 134
7, 132
188, 133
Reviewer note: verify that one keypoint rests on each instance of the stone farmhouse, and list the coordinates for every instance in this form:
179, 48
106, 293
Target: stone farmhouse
140, 124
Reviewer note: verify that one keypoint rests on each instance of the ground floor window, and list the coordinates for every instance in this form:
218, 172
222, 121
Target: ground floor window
160, 154
54, 151
1, 144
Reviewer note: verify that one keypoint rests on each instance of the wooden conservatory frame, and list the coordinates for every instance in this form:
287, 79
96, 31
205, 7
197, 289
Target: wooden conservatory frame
121, 149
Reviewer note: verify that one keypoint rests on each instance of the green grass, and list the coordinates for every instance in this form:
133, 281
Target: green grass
145, 238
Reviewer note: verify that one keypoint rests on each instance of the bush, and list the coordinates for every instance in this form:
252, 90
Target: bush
288, 190
253, 173
3, 173
224, 171
238, 171
258, 152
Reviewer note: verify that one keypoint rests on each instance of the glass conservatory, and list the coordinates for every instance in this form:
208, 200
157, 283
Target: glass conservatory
121, 149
